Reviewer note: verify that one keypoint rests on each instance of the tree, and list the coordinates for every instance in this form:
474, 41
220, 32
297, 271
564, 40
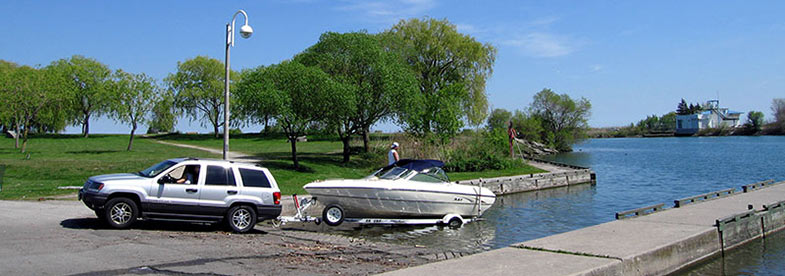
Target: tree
249, 105
451, 69
754, 121
563, 119
199, 87
165, 113
528, 127
682, 108
38, 98
668, 122
135, 97
297, 96
778, 110
7, 97
499, 119
90, 80
377, 80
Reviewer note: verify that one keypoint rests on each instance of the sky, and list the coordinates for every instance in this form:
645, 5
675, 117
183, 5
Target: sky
630, 59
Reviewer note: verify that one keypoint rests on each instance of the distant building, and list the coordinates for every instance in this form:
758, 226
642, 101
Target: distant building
713, 116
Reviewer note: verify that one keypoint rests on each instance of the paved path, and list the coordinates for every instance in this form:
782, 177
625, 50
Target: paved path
231, 155
548, 167
655, 244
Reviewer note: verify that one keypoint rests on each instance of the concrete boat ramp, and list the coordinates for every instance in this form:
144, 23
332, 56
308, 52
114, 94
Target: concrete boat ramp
651, 242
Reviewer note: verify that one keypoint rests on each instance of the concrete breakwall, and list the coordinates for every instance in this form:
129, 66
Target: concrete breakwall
655, 242
532, 182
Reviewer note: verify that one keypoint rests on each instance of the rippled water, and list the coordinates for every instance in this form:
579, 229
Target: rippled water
631, 173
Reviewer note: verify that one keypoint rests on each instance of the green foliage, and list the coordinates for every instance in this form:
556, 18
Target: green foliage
134, 97
164, 113
683, 109
451, 69
754, 121
199, 87
297, 95
486, 150
499, 119
655, 124
563, 119
90, 82
7, 94
376, 83
528, 127
36, 100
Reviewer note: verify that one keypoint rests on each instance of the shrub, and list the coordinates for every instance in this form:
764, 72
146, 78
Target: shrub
486, 150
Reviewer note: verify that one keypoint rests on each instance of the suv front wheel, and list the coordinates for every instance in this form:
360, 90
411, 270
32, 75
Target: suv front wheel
241, 218
121, 212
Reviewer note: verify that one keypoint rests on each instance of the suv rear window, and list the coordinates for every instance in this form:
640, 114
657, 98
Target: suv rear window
254, 178
217, 175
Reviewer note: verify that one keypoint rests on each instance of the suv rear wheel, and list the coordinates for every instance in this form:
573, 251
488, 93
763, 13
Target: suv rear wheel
241, 218
121, 212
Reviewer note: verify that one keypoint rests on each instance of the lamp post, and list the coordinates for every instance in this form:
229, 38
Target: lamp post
245, 32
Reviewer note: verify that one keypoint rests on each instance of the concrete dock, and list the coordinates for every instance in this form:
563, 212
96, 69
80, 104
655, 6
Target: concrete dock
558, 175
655, 244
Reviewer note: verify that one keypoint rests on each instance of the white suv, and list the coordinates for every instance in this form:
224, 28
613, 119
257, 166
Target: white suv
186, 189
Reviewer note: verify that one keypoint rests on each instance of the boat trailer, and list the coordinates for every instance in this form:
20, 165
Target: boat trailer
451, 220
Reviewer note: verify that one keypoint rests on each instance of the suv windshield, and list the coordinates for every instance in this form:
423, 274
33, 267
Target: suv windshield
156, 169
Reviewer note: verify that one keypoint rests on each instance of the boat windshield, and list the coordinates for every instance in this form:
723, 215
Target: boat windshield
156, 169
431, 175
392, 173
434, 175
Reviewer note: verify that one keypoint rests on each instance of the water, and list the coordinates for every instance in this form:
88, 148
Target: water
631, 173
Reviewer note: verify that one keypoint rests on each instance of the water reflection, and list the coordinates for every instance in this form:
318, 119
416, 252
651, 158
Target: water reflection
760, 257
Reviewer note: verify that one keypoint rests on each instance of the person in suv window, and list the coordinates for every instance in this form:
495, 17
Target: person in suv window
190, 176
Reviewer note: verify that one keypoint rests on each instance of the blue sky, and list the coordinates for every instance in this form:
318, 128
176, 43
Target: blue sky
629, 58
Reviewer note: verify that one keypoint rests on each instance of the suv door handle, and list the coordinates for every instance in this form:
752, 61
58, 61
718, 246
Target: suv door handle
189, 190
231, 192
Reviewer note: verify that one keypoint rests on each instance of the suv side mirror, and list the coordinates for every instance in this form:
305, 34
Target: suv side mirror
165, 179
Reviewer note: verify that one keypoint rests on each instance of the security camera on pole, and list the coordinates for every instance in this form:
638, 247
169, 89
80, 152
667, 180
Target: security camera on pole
245, 31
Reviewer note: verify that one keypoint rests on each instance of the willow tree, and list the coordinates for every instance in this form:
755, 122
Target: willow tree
90, 81
378, 80
451, 69
135, 97
297, 95
563, 119
38, 99
199, 87
7, 97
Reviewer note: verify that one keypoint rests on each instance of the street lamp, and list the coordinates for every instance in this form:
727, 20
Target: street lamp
245, 31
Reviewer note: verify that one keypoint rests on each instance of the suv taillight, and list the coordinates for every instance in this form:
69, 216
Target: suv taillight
277, 197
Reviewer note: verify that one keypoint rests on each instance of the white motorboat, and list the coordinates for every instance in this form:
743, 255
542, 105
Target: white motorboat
408, 189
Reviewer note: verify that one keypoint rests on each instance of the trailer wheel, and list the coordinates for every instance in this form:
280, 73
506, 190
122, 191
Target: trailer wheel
333, 215
455, 223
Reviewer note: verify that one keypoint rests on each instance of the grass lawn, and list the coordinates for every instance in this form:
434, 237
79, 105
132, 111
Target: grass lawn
68, 160
319, 159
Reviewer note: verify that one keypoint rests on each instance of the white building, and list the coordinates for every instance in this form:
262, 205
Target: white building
713, 116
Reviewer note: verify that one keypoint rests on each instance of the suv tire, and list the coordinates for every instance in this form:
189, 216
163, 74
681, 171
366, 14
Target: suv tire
121, 212
241, 218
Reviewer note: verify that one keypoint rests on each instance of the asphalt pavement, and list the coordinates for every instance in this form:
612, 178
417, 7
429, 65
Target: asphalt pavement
63, 237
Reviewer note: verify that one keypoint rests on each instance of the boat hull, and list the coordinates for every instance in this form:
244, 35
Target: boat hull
403, 201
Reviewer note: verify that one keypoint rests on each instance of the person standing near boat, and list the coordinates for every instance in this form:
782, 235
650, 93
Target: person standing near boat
392, 155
